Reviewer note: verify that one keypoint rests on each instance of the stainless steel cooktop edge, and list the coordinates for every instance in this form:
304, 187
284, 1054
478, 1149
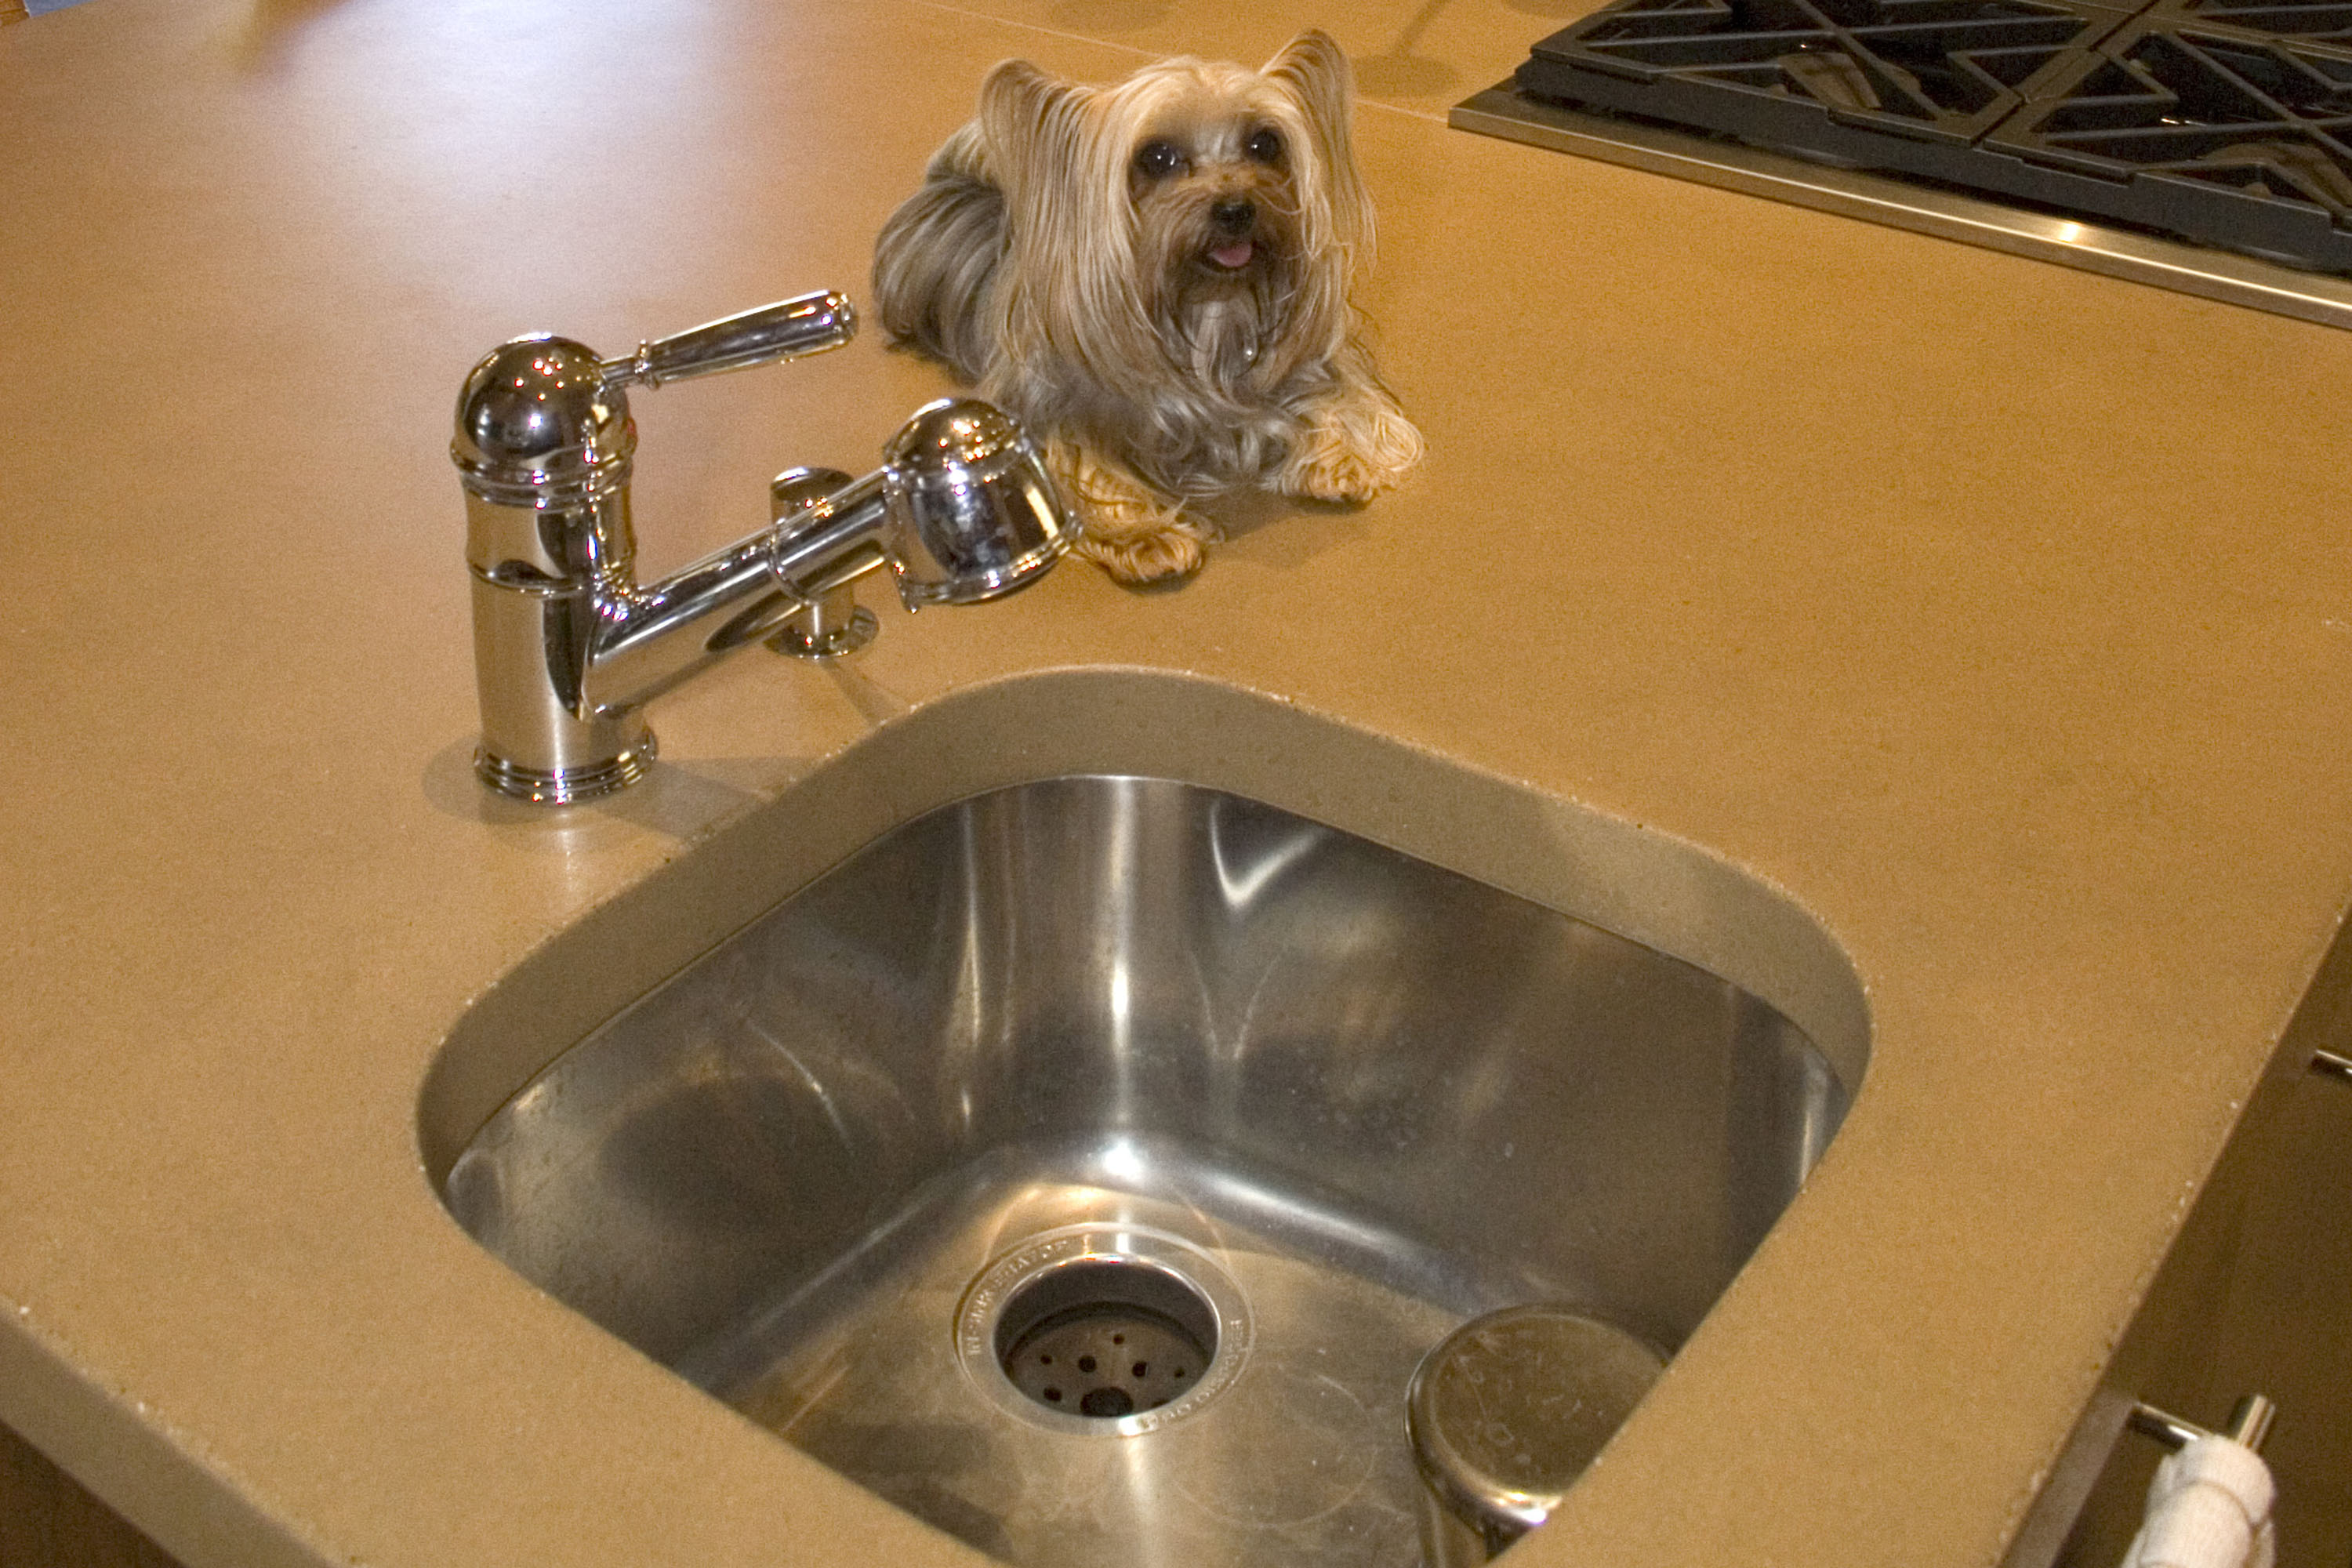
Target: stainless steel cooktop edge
2186, 269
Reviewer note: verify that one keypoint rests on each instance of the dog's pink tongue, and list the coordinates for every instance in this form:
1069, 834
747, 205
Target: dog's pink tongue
1232, 255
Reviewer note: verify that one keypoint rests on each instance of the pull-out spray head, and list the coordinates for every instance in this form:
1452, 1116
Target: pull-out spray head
961, 510
971, 513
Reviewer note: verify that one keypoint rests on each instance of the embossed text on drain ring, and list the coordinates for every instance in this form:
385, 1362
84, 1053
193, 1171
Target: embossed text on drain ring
977, 1319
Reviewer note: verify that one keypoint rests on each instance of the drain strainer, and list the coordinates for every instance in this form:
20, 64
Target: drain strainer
1105, 1339
1102, 1329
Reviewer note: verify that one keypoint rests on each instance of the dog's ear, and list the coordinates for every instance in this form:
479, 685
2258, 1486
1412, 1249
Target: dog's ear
1313, 69
1067, 265
1029, 122
1316, 69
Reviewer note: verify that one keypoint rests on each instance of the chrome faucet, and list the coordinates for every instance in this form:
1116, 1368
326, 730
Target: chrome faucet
568, 648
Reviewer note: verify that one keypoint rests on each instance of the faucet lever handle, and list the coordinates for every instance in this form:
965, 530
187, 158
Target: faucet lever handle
810, 324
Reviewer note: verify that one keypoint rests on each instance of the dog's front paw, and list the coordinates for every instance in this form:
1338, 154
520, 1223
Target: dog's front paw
1176, 548
1130, 531
1351, 455
1330, 472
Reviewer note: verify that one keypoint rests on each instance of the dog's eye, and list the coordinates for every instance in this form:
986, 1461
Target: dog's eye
1158, 160
1265, 146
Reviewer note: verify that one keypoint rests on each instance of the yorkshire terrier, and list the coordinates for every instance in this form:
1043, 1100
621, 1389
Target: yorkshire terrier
1153, 276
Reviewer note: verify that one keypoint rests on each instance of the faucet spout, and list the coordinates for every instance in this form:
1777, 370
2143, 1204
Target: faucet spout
569, 647
961, 510
648, 639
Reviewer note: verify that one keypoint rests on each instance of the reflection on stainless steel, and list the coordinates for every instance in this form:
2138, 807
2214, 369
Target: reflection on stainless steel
2208, 273
787, 329
569, 648
2329, 1064
1376, 1097
971, 513
1506, 1413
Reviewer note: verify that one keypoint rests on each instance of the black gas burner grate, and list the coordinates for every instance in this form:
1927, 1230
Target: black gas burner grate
2314, 23
2225, 122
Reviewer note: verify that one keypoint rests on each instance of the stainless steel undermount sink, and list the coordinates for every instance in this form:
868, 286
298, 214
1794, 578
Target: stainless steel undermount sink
1084, 1165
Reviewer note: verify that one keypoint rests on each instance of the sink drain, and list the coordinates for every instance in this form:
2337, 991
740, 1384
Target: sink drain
1105, 1338
1102, 1329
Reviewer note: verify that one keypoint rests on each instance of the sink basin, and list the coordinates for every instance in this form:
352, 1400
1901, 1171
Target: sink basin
1234, 1112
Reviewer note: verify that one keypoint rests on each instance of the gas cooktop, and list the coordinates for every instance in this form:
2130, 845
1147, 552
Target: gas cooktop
2224, 122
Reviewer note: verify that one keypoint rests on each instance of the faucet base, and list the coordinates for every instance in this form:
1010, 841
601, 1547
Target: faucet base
821, 632
831, 623
565, 786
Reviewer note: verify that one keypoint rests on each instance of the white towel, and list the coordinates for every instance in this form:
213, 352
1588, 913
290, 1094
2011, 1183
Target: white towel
2210, 1508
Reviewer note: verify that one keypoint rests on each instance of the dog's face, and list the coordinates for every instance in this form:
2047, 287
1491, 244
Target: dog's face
1213, 183
1205, 211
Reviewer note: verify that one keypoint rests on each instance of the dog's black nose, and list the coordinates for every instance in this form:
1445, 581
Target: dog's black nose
1233, 217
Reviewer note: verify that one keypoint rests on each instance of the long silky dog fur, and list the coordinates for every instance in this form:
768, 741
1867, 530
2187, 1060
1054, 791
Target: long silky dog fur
1071, 254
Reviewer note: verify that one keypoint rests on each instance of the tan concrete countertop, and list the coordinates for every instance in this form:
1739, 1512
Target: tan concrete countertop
1999, 616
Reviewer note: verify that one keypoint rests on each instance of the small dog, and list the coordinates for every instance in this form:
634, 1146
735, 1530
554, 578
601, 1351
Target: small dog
1153, 276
